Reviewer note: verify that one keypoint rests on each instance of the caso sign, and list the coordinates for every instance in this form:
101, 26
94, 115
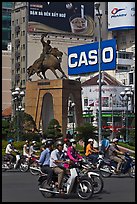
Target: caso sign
84, 58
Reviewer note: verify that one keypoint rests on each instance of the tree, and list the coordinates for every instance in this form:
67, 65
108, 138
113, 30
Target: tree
26, 125
86, 131
53, 131
5, 128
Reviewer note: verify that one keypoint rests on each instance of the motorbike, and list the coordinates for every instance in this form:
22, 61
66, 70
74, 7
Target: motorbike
34, 166
86, 168
19, 163
73, 182
107, 167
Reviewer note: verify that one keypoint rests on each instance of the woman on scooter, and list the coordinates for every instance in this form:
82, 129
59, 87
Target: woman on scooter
72, 153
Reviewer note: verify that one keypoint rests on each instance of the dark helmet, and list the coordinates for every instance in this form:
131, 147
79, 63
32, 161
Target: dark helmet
59, 142
49, 143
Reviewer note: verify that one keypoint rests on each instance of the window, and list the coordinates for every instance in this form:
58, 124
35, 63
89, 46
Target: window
85, 101
23, 19
130, 78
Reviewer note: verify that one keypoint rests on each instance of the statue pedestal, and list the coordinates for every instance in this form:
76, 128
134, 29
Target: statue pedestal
48, 99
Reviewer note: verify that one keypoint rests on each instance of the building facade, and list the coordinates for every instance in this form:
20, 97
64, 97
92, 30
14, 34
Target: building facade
6, 24
6, 79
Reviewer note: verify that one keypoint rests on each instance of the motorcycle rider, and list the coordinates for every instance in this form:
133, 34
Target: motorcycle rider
72, 152
44, 161
43, 145
113, 153
9, 151
91, 152
66, 145
26, 149
32, 150
57, 159
105, 145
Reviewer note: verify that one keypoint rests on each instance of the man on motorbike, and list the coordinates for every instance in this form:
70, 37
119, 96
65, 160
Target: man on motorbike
42, 145
57, 159
113, 153
72, 152
105, 145
26, 149
91, 152
44, 161
32, 150
9, 151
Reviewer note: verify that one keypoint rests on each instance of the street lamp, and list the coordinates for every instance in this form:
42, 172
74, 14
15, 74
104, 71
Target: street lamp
112, 103
73, 115
99, 14
126, 97
17, 97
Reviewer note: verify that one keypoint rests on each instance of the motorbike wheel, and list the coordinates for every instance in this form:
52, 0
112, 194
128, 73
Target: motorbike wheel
35, 171
98, 183
105, 171
44, 193
4, 166
24, 166
85, 188
132, 171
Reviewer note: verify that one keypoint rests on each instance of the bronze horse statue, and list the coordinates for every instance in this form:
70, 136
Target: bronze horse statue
48, 61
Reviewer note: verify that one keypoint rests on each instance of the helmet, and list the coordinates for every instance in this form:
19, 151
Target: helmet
26, 141
33, 142
115, 140
49, 142
43, 141
72, 141
90, 140
11, 140
65, 139
59, 142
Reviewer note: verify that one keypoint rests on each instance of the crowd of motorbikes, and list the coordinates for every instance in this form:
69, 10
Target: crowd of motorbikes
81, 178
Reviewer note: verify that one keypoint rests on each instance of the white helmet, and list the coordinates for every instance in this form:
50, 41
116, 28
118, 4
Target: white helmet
115, 140
33, 142
72, 140
43, 141
90, 140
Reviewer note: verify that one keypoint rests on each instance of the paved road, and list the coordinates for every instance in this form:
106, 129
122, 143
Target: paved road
22, 187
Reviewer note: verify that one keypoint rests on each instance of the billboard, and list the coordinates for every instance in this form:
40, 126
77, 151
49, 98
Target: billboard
121, 15
62, 17
84, 58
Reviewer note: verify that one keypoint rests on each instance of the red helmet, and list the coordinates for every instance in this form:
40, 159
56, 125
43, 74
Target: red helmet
65, 139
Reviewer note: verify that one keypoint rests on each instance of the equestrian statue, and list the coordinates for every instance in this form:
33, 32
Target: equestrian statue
50, 58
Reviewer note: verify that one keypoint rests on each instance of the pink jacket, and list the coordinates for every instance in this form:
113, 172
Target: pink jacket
72, 154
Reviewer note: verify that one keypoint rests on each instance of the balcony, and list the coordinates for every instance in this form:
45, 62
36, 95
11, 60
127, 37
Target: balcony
17, 43
125, 58
17, 29
17, 54
17, 77
17, 65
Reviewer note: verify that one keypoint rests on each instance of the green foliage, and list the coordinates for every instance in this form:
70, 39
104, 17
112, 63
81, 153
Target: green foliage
53, 131
5, 128
126, 145
86, 131
132, 137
